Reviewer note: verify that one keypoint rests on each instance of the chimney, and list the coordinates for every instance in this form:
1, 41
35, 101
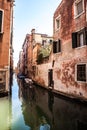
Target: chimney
33, 31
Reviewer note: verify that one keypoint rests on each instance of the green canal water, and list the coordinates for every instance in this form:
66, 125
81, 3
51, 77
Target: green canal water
39, 109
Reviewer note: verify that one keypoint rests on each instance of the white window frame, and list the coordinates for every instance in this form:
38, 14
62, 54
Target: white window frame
2, 20
75, 8
57, 19
76, 72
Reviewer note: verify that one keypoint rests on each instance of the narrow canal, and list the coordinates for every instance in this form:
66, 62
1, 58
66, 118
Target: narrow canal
37, 109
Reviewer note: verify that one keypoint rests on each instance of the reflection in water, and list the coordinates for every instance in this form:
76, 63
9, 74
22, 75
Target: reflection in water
38, 109
34, 116
11, 81
17, 117
44, 125
58, 112
5, 113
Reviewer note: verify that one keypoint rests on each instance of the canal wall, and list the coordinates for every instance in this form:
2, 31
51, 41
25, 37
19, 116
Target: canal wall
63, 79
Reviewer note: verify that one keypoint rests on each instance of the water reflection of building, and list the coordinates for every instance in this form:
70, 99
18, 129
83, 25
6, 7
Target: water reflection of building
59, 112
5, 114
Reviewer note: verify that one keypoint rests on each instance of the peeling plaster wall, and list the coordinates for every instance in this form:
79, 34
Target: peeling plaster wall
42, 74
64, 78
64, 69
64, 72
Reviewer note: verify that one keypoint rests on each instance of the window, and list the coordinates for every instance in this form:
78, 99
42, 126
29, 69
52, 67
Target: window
1, 21
79, 38
43, 42
81, 72
57, 23
50, 41
50, 78
56, 46
79, 7
9, 0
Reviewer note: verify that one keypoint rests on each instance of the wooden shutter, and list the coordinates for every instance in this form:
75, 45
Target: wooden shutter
1, 16
54, 46
59, 45
9, 0
85, 35
74, 40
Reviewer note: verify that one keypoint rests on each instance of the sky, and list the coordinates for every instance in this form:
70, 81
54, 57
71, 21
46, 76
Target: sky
29, 14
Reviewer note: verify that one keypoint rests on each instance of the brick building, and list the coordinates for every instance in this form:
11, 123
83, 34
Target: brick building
20, 65
41, 49
70, 48
32, 45
6, 47
66, 73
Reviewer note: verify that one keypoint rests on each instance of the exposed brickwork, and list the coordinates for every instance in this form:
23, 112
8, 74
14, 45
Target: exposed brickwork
68, 23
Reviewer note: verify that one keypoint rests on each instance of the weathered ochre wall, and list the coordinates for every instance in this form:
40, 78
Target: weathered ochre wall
5, 40
5, 36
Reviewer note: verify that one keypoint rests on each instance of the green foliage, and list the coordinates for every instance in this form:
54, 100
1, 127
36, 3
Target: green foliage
43, 53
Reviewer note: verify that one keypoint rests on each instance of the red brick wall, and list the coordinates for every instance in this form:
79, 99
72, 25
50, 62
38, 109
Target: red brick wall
68, 23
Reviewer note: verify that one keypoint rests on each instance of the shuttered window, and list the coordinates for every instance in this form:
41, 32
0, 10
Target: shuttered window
1, 21
56, 46
79, 38
9, 0
74, 40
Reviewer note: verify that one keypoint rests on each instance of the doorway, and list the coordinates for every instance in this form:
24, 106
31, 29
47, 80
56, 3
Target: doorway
50, 78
